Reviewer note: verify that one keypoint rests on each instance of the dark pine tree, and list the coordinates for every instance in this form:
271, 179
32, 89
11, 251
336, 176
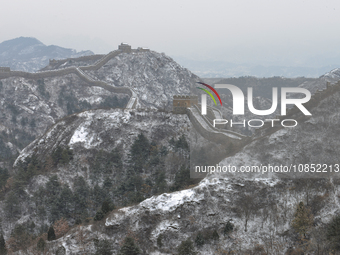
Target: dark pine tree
199, 241
51, 234
104, 247
333, 233
3, 249
186, 248
229, 227
106, 207
215, 236
139, 152
129, 247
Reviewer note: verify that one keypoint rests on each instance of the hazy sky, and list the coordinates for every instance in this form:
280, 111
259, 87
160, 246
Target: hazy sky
262, 31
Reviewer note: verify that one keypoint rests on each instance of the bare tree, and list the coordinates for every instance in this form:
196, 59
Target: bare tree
247, 205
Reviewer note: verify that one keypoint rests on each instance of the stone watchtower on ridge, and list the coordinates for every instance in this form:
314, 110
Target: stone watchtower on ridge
124, 47
181, 103
53, 62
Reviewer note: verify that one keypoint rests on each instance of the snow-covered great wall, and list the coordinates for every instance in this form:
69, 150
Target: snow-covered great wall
81, 74
201, 123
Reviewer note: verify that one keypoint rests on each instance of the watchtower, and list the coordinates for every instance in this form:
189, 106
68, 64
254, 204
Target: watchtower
53, 62
181, 103
124, 47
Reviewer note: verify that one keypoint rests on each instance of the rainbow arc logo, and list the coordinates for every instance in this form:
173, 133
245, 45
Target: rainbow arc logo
208, 92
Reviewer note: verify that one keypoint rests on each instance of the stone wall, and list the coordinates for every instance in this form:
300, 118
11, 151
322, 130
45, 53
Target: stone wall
102, 61
56, 63
62, 72
217, 137
69, 70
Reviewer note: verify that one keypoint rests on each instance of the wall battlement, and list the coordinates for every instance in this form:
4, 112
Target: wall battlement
58, 62
141, 49
5, 69
184, 97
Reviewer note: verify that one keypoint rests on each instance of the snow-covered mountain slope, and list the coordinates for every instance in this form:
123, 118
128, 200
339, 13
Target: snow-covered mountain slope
321, 83
261, 208
312, 141
105, 130
261, 211
155, 77
333, 75
92, 136
156, 82
29, 107
28, 54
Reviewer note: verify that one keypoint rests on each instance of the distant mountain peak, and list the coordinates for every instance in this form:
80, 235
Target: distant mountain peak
19, 42
333, 74
30, 54
31, 40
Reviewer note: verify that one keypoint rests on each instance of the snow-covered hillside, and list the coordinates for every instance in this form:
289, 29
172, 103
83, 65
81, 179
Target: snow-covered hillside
83, 152
261, 208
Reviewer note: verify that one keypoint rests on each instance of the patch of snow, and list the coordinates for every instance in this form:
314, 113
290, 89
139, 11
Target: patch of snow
79, 136
26, 109
92, 99
268, 181
170, 201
